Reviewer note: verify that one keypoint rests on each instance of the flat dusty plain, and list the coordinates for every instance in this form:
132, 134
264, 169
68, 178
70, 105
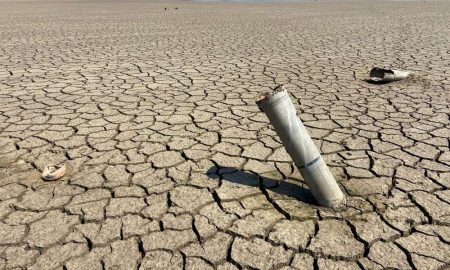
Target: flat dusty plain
172, 166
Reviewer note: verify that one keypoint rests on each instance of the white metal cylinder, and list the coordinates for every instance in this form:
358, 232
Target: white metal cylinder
282, 115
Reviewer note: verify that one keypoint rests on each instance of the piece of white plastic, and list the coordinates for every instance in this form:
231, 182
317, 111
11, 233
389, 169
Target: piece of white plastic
388, 75
53, 172
282, 115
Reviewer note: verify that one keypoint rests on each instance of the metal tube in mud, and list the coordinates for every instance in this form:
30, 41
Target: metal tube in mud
282, 115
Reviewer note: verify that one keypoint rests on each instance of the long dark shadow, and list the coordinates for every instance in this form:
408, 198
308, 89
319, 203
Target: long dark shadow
292, 189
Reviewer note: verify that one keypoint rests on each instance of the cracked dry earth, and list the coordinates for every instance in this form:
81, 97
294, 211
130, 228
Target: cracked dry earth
172, 166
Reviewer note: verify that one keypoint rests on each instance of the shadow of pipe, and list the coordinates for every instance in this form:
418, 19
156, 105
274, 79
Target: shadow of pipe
289, 188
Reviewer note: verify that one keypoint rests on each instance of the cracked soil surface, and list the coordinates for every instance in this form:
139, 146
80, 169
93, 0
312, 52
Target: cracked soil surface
172, 166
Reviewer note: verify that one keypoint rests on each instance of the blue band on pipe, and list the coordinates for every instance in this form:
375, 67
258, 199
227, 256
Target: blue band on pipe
310, 163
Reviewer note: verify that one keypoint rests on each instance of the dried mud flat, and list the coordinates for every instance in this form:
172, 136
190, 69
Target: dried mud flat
170, 163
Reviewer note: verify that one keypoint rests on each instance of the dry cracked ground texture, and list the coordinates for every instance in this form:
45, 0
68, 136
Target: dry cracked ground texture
171, 164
